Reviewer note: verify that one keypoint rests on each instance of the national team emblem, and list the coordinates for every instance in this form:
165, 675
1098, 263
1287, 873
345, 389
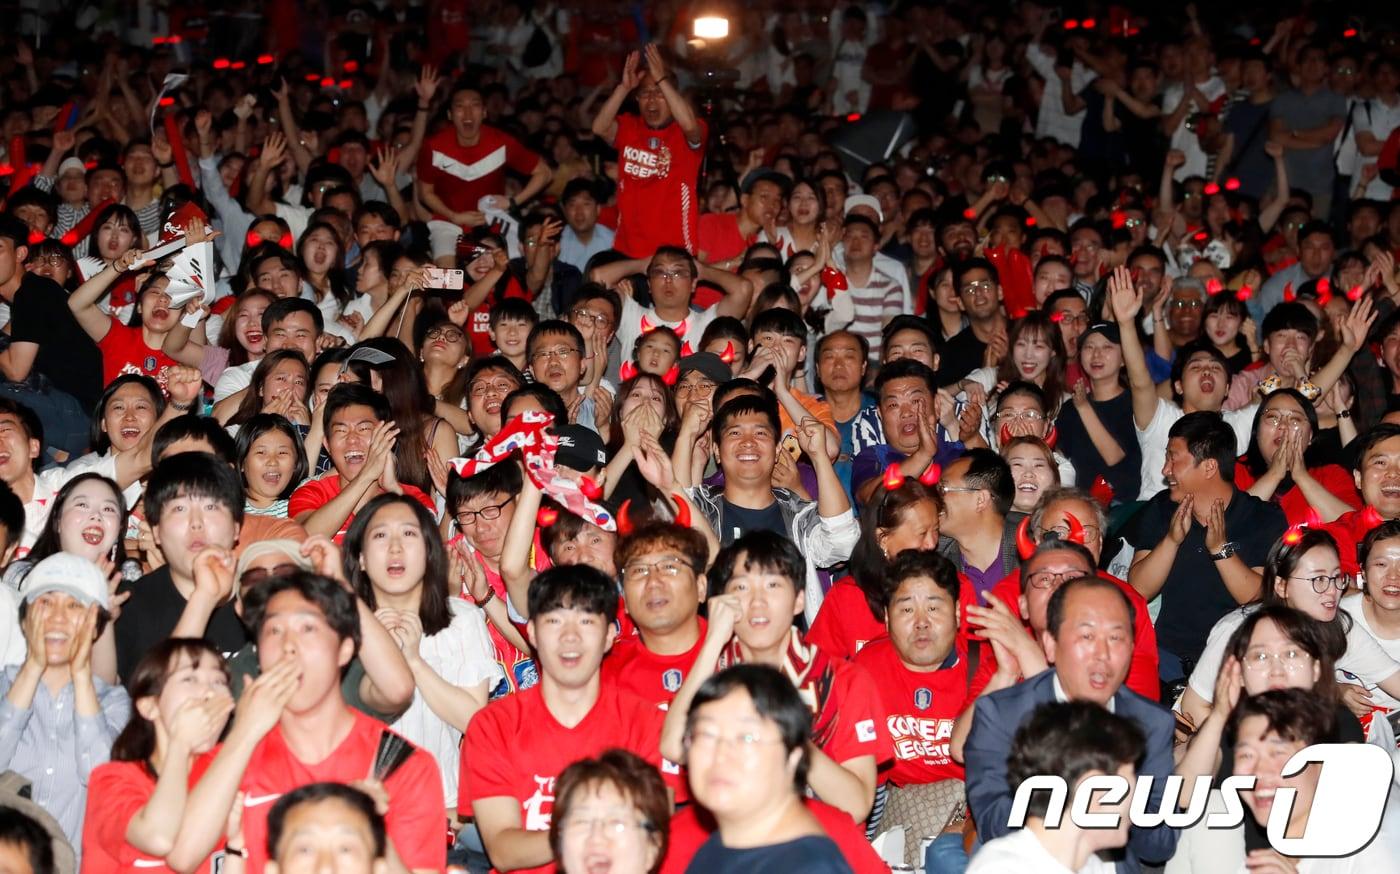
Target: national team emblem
526, 675
922, 698
654, 143
671, 680
150, 364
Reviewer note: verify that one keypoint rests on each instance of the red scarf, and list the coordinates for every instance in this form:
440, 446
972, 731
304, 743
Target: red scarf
811, 671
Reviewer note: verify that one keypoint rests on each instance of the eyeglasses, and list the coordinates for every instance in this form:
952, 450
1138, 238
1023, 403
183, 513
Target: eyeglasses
1320, 584
1291, 660
1091, 532
698, 386
469, 517
50, 260
980, 286
1185, 304
563, 353
451, 335
613, 827
1072, 318
256, 576
1134, 223
710, 740
1020, 415
1049, 579
482, 389
952, 489
584, 315
668, 275
666, 568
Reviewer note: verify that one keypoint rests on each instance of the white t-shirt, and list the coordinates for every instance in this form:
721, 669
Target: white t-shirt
631, 326
1379, 122
462, 655
1051, 120
361, 306
1020, 852
234, 379
1365, 660
1183, 138
1153, 440
1354, 605
13, 647
46, 487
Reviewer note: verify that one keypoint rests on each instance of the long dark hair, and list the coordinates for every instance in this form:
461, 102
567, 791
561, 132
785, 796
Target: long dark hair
101, 441
335, 276
432, 606
1283, 560
252, 402
50, 539
227, 338
137, 741
1036, 324
884, 510
1253, 458
402, 382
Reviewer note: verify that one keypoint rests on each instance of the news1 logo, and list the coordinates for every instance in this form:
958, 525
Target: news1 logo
1344, 815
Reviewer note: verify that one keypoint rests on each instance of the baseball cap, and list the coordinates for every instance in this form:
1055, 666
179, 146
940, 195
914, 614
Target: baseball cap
580, 448
71, 165
864, 200
1107, 329
69, 574
708, 364
286, 547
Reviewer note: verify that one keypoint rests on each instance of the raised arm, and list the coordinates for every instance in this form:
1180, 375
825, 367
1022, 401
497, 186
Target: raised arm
83, 302
296, 141
605, 124
738, 291
273, 152
1126, 300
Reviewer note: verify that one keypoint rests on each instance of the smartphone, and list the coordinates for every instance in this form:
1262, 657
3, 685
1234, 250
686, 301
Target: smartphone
792, 447
444, 278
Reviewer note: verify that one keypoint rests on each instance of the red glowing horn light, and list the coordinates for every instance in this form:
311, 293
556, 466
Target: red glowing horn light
894, 477
1004, 435
1211, 189
624, 518
1354, 293
682, 511
1244, 292
1371, 518
1289, 295
1025, 546
672, 375
1076, 529
590, 488
1213, 286
1052, 438
727, 356
627, 371
1232, 184
932, 474
546, 517
1293, 535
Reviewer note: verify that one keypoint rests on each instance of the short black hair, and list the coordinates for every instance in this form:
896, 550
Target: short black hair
14, 230
1055, 610
576, 186
504, 478
494, 363
573, 587
547, 397
759, 550
334, 601
907, 322
781, 321
311, 793
554, 328
354, 394
773, 696
916, 563
905, 368
988, 470
1026, 388
742, 405
858, 219
1367, 441
192, 427
1208, 438
283, 307
1297, 715
196, 475
1289, 316
19, 829
32, 424
513, 309
1070, 739
962, 268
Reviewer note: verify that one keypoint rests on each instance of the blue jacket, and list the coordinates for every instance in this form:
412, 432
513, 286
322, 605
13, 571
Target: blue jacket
994, 723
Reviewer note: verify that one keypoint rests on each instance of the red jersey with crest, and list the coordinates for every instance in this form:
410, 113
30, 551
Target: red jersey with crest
654, 678
921, 708
515, 748
657, 199
124, 350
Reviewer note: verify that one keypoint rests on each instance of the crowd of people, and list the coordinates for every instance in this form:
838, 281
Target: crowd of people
535, 436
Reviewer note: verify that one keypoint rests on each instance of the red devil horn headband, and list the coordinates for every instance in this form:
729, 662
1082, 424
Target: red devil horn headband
1025, 546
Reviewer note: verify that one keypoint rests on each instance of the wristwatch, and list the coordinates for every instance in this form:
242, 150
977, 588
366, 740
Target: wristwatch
1229, 549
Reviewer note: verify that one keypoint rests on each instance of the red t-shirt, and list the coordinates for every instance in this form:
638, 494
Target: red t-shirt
921, 708
124, 350
1332, 477
116, 793
416, 822
520, 669
1349, 529
654, 678
1142, 672
462, 175
479, 323
657, 201
516, 748
692, 826
720, 237
844, 623
316, 493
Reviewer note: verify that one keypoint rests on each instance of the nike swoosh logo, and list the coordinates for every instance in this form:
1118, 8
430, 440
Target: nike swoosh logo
255, 800
147, 863
475, 170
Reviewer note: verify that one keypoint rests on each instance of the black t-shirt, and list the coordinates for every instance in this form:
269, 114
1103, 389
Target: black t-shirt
153, 612
67, 356
960, 356
1116, 415
811, 855
738, 521
1194, 597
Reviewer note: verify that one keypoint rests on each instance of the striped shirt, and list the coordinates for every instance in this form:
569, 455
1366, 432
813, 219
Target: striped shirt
876, 303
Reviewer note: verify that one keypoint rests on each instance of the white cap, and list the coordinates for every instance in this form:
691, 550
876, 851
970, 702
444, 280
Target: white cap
865, 200
69, 574
72, 165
